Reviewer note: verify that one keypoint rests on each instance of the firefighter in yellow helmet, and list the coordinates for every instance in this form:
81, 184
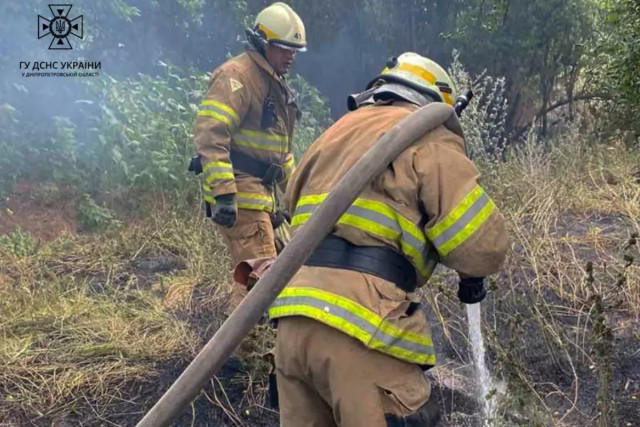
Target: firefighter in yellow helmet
243, 135
352, 339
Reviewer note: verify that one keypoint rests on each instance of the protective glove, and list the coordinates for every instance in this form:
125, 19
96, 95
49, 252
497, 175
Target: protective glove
224, 213
279, 217
471, 290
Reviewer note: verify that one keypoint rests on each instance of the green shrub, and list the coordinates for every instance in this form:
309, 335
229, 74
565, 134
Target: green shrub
144, 139
41, 151
12, 160
96, 218
18, 242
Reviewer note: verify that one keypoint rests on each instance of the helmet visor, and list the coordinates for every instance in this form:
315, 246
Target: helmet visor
287, 47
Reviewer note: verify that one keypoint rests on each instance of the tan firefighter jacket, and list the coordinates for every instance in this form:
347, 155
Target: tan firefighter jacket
230, 118
427, 205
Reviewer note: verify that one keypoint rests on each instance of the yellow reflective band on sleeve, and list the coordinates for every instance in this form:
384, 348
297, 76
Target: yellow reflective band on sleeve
217, 116
462, 222
217, 171
312, 199
456, 213
300, 219
230, 111
262, 140
356, 321
375, 218
252, 201
220, 112
288, 168
222, 108
208, 194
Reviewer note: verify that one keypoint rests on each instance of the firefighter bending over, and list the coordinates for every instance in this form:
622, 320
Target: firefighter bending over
352, 340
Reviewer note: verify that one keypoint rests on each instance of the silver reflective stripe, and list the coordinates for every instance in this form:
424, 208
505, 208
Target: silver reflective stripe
304, 209
463, 221
412, 241
376, 217
372, 330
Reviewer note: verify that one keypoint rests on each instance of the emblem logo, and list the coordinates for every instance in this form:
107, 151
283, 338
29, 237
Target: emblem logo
60, 26
235, 85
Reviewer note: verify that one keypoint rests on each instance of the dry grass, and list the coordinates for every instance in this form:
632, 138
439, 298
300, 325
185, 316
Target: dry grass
575, 205
87, 320
563, 322
84, 318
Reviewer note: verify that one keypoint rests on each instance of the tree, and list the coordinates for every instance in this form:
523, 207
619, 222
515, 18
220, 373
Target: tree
618, 54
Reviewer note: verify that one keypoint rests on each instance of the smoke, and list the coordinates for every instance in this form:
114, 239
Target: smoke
126, 38
341, 66
129, 37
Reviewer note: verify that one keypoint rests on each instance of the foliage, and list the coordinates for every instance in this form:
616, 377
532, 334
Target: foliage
18, 242
316, 116
537, 46
484, 118
12, 163
144, 135
96, 218
618, 56
42, 153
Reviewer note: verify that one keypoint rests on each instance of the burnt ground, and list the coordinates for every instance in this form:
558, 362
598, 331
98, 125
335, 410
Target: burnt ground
230, 401
558, 363
32, 208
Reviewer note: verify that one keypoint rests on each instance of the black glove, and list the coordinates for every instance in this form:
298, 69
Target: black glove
472, 290
279, 217
225, 210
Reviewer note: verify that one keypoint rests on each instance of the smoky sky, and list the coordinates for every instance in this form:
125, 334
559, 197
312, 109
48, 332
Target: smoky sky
338, 66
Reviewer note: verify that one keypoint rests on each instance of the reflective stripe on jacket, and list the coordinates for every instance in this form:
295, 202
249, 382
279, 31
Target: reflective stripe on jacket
356, 321
377, 219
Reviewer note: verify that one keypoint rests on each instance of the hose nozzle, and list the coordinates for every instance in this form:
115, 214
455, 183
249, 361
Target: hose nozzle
463, 101
472, 290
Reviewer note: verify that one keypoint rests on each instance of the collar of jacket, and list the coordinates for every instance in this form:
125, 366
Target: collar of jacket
262, 63
396, 103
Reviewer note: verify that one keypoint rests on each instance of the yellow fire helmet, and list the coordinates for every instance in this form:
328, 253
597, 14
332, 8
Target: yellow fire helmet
278, 24
421, 74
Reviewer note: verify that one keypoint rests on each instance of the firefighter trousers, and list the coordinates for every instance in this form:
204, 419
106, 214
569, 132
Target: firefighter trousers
250, 237
326, 378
